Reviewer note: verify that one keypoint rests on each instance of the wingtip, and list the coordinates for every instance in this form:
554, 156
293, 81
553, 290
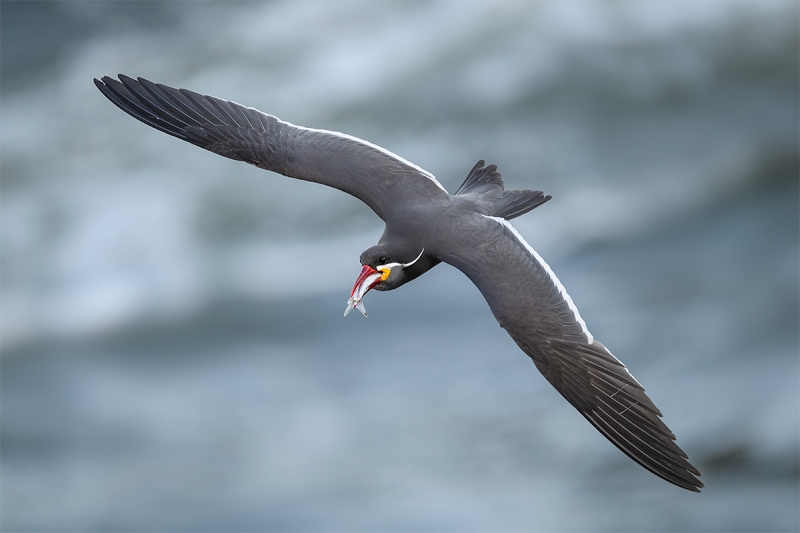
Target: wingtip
105, 81
694, 487
688, 480
105, 84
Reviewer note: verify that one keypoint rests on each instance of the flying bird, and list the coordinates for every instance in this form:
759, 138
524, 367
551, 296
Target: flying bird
425, 226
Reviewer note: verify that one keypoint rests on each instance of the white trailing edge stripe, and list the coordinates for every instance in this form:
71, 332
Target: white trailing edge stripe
553, 277
356, 139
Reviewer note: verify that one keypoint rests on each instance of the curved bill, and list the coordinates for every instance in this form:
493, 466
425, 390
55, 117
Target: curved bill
367, 278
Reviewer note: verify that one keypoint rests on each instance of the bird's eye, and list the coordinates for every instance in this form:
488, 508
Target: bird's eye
383, 260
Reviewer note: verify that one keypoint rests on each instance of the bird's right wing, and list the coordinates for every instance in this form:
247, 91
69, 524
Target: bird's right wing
368, 172
531, 304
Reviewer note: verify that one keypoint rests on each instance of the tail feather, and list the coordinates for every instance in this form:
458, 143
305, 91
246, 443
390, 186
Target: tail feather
487, 183
516, 203
481, 179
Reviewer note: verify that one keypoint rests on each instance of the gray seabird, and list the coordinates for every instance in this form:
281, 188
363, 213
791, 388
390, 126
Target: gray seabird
425, 226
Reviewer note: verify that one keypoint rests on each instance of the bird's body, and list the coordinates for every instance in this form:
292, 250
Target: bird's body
425, 226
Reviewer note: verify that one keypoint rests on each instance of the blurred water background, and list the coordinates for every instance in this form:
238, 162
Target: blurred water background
174, 357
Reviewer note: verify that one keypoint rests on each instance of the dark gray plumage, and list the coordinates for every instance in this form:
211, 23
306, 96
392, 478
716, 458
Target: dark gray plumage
425, 226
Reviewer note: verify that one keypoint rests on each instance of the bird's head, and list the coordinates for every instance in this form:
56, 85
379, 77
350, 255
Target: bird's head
383, 270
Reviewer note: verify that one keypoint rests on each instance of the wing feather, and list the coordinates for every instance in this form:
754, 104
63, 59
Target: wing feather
532, 305
357, 167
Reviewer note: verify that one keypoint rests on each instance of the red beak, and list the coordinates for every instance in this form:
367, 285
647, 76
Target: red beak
367, 278
365, 281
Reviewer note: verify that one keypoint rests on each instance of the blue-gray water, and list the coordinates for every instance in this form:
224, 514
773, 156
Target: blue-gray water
173, 352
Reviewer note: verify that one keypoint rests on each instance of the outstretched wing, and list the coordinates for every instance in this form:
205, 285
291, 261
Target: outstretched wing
531, 304
368, 172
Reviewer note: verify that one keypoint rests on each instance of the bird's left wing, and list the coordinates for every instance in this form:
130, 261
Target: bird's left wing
372, 174
531, 304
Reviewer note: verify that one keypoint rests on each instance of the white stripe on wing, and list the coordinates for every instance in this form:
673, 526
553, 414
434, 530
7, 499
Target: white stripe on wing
356, 139
553, 277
